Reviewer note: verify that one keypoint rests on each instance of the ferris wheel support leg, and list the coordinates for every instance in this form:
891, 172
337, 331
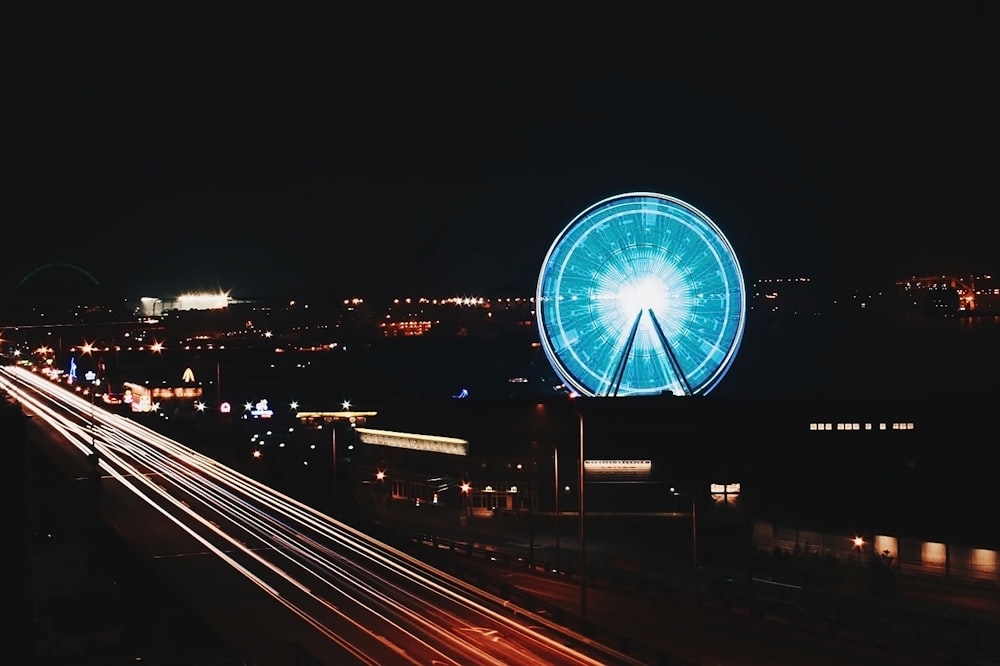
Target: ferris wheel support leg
616, 379
675, 365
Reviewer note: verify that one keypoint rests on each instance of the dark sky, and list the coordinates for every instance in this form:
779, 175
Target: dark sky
428, 153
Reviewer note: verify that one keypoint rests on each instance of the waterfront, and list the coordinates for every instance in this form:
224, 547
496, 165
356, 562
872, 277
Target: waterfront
940, 370
819, 357
879, 356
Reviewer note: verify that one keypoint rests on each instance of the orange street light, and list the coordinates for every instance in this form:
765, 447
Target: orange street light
859, 543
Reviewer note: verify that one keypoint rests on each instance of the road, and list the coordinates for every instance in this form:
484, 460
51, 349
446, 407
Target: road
713, 635
667, 621
356, 599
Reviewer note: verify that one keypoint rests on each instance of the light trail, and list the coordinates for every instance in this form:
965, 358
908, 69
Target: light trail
357, 592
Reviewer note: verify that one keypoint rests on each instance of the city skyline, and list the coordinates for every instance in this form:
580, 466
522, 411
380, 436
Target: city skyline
849, 348
259, 153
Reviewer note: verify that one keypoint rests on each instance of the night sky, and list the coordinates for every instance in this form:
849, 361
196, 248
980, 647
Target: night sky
430, 152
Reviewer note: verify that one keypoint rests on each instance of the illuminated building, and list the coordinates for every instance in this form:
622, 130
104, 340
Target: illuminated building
154, 307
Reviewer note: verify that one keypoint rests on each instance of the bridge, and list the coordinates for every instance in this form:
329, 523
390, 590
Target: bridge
963, 288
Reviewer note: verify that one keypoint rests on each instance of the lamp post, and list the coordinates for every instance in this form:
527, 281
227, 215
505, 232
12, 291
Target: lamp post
582, 530
555, 464
531, 523
695, 578
333, 446
94, 476
555, 487
467, 499
93, 436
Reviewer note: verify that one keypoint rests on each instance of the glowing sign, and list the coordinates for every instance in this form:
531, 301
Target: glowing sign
626, 468
72, 369
168, 393
261, 410
188, 375
225, 408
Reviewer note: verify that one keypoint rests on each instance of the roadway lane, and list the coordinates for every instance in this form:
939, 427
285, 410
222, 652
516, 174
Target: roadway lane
713, 635
865, 632
351, 598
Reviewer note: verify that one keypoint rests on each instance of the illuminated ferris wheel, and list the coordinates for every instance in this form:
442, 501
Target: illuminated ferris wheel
641, 294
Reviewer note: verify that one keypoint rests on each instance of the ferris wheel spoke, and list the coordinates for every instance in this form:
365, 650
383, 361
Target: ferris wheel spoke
675, 366
622, 361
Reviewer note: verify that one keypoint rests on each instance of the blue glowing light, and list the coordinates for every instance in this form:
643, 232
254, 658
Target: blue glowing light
641, 294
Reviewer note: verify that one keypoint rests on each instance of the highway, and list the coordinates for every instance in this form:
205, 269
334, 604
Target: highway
367, 602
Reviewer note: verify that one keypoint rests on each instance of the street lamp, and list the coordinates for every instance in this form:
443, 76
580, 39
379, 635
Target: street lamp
94, 476
859, 543
555, 485
93, 436
466, 494
581, 511
697, 582
695, 579
529, 498
582, 531
333, 447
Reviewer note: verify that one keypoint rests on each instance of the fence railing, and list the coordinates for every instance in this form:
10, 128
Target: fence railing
910, 556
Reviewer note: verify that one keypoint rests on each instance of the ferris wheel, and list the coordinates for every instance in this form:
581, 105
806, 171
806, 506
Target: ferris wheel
641, 294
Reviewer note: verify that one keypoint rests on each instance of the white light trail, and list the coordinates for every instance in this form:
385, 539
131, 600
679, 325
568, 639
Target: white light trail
318, 568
